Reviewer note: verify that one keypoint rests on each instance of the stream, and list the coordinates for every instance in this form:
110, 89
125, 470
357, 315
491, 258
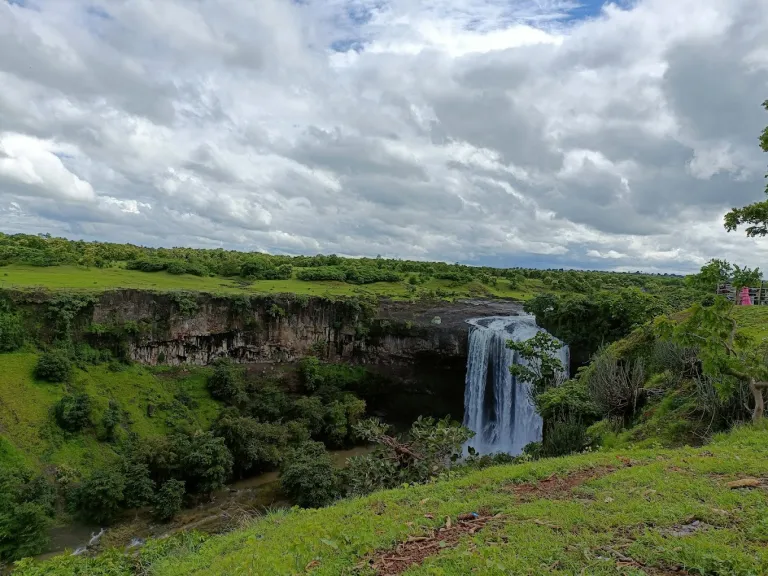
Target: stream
227, 509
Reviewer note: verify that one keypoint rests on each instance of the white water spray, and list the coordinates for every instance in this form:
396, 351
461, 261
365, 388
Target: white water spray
497, 407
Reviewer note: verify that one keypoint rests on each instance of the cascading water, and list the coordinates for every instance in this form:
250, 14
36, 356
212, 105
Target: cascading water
497, 407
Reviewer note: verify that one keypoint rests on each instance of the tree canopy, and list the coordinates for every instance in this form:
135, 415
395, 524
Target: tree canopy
756, 214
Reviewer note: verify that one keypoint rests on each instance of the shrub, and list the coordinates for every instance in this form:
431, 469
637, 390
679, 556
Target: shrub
25, 507
309, 372
428, 451
268, 402
340, 418
616, 387
226, 383
570, 399
311, 411
139, 488
53, 366
168, 500
11, 332
23, 530
204, 461
101, 496
321, 274
73, 412
111, 419
563, 437
254, 445
308, 476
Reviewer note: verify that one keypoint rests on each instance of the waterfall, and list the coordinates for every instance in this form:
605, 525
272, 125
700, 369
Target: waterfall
497, 407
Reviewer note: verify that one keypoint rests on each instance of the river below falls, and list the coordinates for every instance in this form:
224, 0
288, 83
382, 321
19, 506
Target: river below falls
227, 509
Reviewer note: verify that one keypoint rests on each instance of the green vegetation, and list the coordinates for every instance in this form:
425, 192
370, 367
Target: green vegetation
152, 402
54, 366
629, 512
73, 412
308, 476
112, 436
755, 215
28, 261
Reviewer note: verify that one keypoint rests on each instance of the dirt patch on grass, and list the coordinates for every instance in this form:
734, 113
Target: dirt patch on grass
416, 549
556, 487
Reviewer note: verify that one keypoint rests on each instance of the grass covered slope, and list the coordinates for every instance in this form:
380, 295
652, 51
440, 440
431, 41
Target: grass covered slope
630, 512
151, 402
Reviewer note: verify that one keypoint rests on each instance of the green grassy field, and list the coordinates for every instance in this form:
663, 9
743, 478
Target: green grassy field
753, 321
30, 434
94, 279
606, 513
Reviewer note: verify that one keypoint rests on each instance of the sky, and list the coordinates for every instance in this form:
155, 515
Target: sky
505, 132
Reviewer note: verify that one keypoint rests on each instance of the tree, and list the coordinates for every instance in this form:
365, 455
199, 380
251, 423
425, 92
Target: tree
746, 276
26, 505
226, 383
542, 368
725, 354
425, 453
712, 274
101, 496
203, 461
168, 500
756, 214
139, 488
73, 412
308, 476
254, 445
587, 321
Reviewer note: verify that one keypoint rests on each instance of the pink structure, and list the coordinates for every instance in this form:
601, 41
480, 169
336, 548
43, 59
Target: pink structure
744, 299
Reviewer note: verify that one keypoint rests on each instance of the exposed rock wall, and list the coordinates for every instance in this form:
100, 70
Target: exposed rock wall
193, 328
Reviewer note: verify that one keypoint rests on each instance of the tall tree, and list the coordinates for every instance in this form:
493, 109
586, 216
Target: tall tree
755, 215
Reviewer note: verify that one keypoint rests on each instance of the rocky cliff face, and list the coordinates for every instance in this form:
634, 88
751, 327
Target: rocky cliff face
192, 328
286, 329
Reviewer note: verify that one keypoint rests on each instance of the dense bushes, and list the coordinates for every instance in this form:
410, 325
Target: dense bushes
308, 476
226, 383
159, 471
263, 269
351, 275
588, 321
11, 332
100, 497
321, 274
171, 266
53, 366
26, 506
426, 452
73, 412
255, 446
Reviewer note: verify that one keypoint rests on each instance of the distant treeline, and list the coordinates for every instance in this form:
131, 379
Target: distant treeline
45, 250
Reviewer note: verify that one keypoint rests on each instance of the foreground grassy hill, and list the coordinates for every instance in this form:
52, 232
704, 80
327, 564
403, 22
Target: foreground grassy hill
630, 512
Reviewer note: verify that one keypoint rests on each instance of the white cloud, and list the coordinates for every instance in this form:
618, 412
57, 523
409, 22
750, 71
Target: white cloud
473, 130
37, 164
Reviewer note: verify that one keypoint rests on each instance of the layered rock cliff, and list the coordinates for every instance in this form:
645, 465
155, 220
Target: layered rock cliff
193, 328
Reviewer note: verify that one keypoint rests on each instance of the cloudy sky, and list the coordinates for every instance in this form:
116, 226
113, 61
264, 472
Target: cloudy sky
509, 132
